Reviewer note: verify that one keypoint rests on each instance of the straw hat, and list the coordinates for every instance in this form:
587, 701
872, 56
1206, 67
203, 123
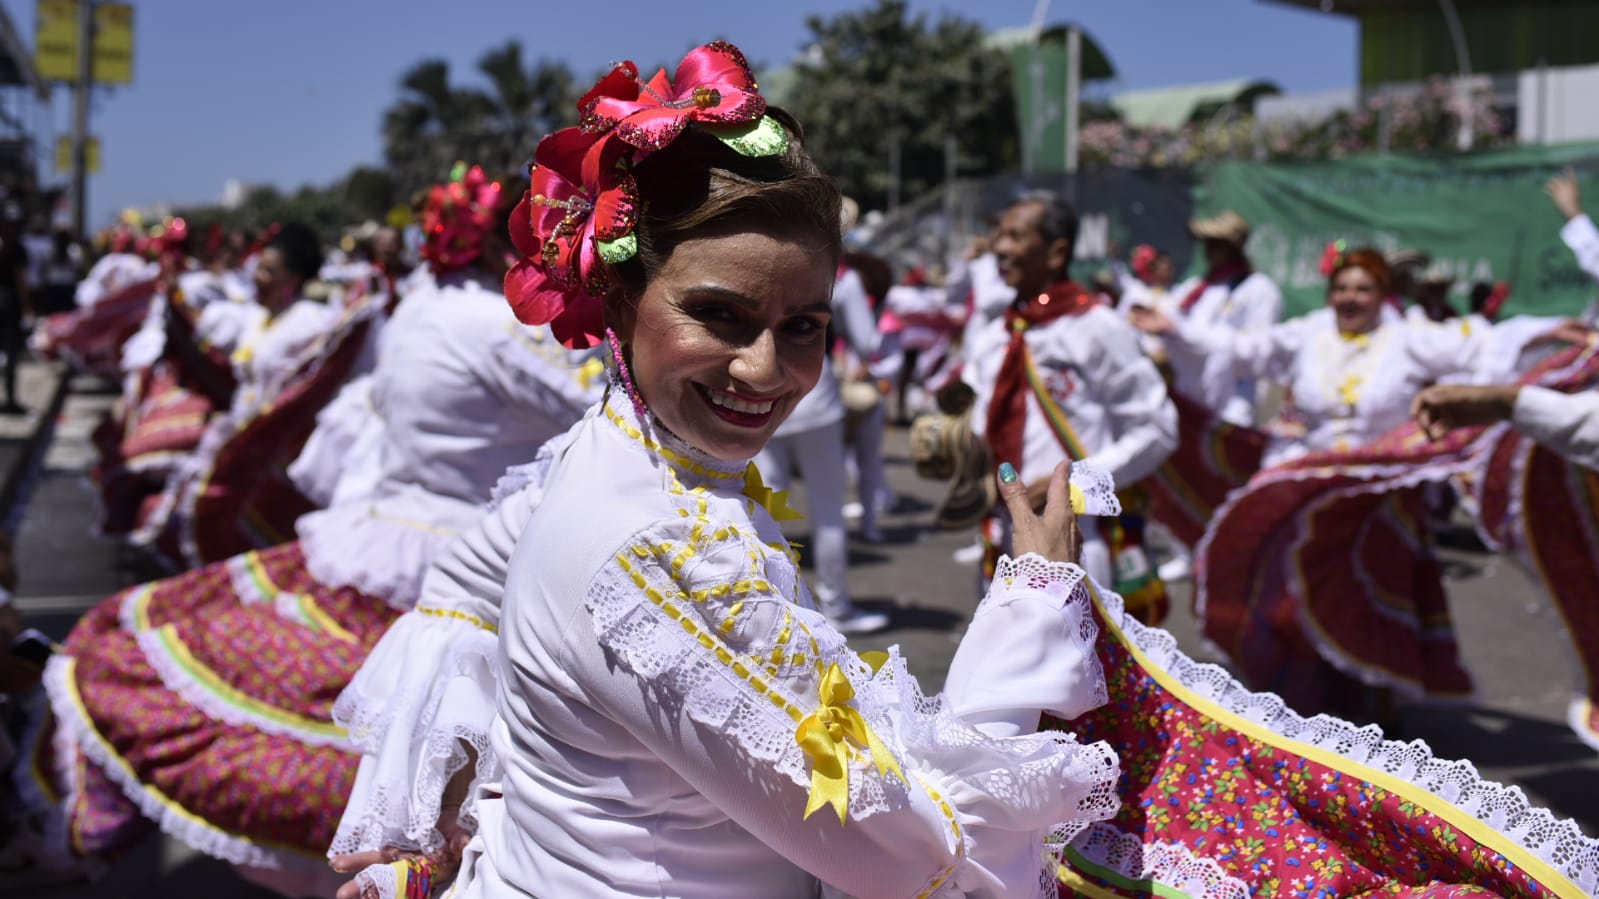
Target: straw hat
1227, 226
1436, 276
1408, 258
849, 214
943, 447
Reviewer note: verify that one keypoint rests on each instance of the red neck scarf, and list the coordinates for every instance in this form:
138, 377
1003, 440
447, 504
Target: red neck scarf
1007, 409
1231, 273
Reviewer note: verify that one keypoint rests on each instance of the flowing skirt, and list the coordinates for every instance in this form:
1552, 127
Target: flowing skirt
1228, 794
202, 704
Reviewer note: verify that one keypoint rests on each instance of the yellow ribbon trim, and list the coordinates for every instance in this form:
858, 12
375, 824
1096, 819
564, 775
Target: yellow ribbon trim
775, 501
830, 736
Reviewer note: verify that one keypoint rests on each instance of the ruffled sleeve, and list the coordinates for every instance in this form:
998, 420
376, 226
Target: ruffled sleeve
706, 618
426, 693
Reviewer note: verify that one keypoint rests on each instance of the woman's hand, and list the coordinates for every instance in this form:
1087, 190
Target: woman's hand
1442, 408
445, 862
1570, 331
1563, 189
1150, 321
1052, 533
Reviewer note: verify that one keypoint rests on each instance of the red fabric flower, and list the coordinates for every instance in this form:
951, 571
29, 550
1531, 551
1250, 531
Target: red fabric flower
1143, 261
713, 85
456, 218
580, 208
1331, 258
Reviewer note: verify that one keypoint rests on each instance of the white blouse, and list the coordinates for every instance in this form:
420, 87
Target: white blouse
1093, 367
462, 391
658, 655
426, 693
1349, 389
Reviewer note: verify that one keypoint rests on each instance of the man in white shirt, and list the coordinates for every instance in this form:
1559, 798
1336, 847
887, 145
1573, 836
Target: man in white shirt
1060, 375
1231, 296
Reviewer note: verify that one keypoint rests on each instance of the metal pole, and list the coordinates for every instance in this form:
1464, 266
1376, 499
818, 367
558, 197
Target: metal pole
951, 153
1074, 86
1457, 34
1040, 13
893, 176
80, 118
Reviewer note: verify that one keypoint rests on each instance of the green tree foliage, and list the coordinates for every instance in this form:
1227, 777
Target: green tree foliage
434, 122
881, 76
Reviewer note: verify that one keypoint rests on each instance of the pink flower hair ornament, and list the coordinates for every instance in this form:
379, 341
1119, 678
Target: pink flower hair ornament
457, 216
579, 214
1143, 261
1331, 258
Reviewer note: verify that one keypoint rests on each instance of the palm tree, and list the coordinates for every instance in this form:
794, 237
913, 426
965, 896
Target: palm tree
525, 105
434, 123
431, 125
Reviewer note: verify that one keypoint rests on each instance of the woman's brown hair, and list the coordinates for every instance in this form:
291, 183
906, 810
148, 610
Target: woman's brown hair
698, 185
1368, 259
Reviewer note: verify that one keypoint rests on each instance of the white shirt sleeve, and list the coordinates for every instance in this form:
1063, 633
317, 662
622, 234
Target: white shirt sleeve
1567, 423
853, 315
750, 671
1454, 347
1267, 353
1142, 416
1583, 238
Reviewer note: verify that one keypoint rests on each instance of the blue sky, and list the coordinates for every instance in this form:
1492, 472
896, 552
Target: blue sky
293, 91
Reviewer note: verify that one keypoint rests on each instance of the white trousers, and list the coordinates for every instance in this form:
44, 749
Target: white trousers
819, 454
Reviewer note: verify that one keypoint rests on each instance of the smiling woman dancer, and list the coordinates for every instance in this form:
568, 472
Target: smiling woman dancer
674, 717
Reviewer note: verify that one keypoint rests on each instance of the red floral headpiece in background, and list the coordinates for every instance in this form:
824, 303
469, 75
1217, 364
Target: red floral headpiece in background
457, 216
1143, 261
1332, 257
579, 214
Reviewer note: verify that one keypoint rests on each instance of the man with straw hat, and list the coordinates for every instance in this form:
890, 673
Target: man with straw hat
1230, 295
1060, 376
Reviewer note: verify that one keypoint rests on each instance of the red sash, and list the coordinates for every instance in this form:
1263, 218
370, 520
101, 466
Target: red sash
1007, 410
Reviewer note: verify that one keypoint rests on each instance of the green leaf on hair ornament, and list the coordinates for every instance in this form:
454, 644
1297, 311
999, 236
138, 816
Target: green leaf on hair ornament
618, 250
763, 138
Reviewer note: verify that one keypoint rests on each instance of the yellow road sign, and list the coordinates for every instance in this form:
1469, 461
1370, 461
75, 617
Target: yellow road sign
56, 41
64, 154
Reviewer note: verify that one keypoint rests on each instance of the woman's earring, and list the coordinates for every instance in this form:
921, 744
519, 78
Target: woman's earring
623, 371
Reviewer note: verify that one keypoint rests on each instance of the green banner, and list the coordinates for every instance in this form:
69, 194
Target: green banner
1040, 75
1482, 215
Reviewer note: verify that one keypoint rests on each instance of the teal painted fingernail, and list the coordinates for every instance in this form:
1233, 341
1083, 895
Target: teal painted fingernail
1007, 473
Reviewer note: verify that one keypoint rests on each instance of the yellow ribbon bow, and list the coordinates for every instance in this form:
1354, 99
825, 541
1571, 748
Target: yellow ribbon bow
830, 736
775, 501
